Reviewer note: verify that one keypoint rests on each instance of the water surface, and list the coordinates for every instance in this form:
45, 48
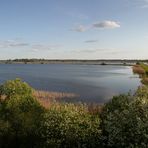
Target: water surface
93, 83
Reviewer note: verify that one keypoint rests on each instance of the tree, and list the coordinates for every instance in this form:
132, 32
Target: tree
20, 115
125, 121
72, 126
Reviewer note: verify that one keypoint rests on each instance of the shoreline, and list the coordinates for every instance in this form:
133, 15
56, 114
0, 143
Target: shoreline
74, 61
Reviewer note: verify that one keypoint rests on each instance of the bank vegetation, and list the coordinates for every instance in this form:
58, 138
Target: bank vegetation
26, 123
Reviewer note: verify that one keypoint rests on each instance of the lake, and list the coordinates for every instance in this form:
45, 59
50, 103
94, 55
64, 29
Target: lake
93, 83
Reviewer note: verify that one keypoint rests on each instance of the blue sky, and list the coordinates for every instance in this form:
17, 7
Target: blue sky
74, 29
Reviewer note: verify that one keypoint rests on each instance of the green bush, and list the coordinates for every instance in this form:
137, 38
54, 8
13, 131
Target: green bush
125, 121
20, 116
15, 87
69, 125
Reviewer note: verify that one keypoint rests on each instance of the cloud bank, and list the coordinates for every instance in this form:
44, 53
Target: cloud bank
12, 44
29, 46
107, 24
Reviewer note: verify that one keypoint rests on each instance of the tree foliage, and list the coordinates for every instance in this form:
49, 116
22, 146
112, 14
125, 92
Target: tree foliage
69, 125
15, 87
20, 115
125, 121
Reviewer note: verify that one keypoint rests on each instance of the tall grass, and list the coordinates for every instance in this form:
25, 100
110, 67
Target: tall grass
145, 67
138, 69
46, 98
142, 70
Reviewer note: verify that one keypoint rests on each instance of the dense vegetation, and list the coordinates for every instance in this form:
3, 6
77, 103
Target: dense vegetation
25, 123
142, 70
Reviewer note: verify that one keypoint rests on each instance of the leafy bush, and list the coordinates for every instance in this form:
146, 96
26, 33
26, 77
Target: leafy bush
69, 125
125, 121
20, 116
15, 87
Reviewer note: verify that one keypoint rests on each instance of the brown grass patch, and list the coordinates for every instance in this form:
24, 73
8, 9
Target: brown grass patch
138, 69
145, 80
95, 108
46, 98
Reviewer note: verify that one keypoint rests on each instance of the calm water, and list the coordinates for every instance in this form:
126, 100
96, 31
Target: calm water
93, 83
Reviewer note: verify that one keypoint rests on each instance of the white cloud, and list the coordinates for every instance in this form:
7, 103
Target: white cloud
89, 50
39, 47
146, 1
80, 28
91, 41
140, 3
12, 44
100, 50
145, 5
29, 46
106, 25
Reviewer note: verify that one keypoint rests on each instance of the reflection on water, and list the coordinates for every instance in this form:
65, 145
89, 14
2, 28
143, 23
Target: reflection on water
93, 83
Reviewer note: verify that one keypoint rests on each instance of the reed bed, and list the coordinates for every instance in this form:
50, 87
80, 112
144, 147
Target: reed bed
47, 98
95, 108
142, 70
145, 80
138, 69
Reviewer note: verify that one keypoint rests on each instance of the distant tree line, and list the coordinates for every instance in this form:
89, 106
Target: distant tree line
104, 61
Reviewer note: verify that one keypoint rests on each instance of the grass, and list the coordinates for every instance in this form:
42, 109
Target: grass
142, 70
47, 98
145, 67
138, 69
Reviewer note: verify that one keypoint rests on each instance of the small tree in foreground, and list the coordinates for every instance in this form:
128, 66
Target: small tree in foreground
20, 116
125, 121
15, 87
70, 125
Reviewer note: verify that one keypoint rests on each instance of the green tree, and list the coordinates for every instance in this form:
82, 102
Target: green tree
69, 125
20, 116
15, 87
125, 121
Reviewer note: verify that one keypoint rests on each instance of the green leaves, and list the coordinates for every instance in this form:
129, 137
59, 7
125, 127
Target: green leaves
125, 120
15, 88
20, 115
71, 126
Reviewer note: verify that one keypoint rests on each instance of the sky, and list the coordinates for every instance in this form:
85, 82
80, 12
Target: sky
74, 29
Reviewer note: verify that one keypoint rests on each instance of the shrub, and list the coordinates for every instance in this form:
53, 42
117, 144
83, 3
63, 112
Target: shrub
20, 116
15, 87
68, 125
125, 121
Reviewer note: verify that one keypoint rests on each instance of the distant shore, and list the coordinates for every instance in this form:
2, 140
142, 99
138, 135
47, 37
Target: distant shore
69, 61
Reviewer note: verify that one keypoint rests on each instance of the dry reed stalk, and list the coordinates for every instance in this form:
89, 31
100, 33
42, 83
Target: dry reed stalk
46, 98
95, 108
138, 69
